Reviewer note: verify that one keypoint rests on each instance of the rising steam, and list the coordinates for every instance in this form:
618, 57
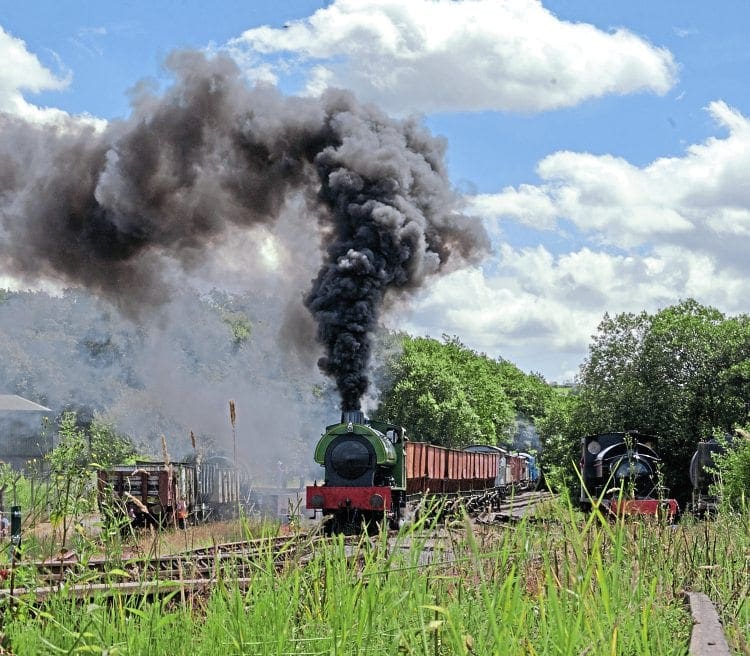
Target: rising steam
108, 209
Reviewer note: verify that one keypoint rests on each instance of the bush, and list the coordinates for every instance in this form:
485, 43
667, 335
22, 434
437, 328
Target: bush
733, 468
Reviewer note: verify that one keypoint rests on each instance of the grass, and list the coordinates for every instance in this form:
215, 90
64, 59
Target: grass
567, 584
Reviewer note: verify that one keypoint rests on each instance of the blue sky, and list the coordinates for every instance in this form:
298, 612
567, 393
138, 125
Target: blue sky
605, 145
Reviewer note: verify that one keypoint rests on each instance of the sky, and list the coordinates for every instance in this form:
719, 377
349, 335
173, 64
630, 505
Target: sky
604, 145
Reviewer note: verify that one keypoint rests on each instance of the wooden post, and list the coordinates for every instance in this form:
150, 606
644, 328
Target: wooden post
233, 417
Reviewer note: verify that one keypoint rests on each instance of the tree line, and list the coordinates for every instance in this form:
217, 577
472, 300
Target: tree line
445, 393
681, 374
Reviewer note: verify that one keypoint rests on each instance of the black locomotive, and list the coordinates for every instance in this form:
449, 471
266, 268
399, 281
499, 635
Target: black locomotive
704, 476
621, 472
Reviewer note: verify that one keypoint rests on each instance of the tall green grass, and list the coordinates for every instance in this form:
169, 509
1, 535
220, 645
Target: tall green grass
568, 584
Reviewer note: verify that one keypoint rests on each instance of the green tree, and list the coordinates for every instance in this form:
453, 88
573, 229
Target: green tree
560, 439
732, 467
70, 476
106, 446
612, 388
678, 374
448, 394
80, 452
428, 398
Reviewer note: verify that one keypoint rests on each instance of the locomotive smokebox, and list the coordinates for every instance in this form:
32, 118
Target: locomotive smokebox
353, 416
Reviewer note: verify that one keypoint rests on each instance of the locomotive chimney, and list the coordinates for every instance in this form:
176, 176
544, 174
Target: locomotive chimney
353, 416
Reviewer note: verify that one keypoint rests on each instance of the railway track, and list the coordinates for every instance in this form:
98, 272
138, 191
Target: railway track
516, 508
194, 570
186, 571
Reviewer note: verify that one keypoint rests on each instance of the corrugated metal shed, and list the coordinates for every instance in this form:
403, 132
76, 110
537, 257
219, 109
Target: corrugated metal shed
23, 437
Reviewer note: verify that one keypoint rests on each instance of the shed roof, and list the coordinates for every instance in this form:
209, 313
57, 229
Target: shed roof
15, 403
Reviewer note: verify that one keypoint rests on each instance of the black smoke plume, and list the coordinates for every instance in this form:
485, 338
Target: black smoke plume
108, 209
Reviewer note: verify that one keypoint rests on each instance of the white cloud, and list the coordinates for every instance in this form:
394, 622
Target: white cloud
497, 315
699, 199
528, 204
676, 228
539, 311
22, 71
442, 55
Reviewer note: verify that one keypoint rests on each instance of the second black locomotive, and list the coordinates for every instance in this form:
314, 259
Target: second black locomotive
620, 471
